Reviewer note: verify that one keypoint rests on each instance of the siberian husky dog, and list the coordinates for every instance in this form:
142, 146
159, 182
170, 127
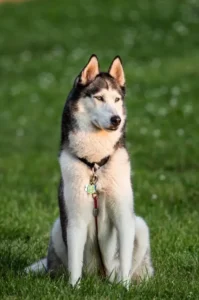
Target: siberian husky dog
93, 140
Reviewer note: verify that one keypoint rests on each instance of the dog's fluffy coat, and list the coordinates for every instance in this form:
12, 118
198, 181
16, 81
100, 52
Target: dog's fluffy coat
89, 133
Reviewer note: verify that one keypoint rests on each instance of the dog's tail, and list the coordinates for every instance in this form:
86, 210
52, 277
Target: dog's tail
38, 267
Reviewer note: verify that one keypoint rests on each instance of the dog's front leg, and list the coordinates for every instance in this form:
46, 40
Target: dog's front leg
76, 238
125, 224
126, 244
126, 234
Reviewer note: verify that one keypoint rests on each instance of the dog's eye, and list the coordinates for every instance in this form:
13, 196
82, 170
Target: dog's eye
117, 99
100, 98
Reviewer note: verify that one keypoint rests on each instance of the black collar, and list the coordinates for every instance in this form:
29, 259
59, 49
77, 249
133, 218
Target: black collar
100, 163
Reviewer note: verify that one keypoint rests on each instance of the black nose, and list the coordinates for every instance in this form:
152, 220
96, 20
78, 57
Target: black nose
115, 120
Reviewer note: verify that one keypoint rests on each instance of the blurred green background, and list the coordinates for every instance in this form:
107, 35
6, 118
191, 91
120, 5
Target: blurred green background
43, 46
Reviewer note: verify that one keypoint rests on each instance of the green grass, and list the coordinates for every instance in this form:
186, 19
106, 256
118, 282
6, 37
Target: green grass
43, 46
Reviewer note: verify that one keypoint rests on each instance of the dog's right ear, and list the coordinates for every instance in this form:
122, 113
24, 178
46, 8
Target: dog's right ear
89, 72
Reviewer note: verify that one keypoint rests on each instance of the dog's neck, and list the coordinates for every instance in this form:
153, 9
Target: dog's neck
93, 145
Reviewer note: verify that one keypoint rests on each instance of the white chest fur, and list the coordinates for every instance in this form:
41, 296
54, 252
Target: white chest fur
111, 180
93, 146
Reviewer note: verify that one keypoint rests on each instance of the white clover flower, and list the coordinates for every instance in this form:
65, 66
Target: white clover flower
154, 197
180, 131
162, 111
150, 107
180, 28
156, 132
188, 108
162, 177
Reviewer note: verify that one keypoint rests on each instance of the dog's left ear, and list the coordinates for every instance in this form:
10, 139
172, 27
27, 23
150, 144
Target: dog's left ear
116, 71
90, 71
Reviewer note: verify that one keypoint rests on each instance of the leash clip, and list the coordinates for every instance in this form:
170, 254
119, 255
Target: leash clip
95, 212
93, 178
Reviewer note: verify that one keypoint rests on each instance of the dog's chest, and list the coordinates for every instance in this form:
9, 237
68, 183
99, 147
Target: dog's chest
93, 146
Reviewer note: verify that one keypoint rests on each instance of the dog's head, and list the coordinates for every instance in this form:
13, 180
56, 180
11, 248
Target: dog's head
101, 95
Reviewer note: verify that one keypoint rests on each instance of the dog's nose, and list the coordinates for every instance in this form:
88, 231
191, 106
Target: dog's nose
115, 120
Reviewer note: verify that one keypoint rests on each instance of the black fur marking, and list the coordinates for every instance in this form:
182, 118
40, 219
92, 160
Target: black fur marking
121, 143
62, 210
53, 261
103, 81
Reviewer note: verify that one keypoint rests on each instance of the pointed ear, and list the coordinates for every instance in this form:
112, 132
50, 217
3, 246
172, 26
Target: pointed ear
116, 71
90, 71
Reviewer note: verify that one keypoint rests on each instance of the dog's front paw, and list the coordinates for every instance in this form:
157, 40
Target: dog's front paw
126, 283
75, 283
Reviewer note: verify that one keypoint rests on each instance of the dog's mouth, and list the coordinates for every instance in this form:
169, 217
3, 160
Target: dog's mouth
110, 128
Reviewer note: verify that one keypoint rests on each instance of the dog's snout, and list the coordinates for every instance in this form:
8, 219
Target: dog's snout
115, 120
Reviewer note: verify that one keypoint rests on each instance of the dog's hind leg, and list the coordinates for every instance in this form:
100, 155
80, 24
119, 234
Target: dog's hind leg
142, 266
53, 261
57, 250
38, 267
57, 254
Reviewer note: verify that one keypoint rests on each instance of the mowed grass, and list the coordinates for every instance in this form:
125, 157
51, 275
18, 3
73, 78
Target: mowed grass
43, 46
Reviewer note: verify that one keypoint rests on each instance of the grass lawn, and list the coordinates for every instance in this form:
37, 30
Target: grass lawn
43, 46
